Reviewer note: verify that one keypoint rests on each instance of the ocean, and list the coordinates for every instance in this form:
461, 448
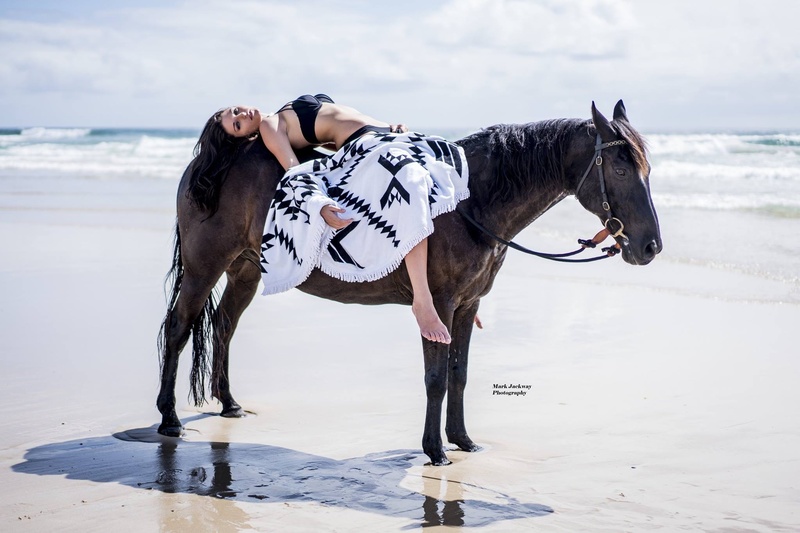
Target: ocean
729, 203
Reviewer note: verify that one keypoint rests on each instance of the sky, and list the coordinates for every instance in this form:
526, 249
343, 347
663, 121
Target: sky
679, 65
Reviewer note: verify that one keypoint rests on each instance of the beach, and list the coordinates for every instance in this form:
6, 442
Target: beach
657, 397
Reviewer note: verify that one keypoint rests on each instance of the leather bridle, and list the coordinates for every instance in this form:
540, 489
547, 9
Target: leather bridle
611, 220
609, 223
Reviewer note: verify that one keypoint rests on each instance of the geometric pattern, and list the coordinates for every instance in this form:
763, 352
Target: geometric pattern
392, 185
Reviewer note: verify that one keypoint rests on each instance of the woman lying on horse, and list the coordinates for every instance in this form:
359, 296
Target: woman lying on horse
311, 121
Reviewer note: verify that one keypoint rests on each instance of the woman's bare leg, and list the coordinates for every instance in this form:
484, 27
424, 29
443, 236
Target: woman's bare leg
430, 325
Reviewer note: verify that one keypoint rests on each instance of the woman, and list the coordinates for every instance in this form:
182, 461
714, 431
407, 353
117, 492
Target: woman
318, 121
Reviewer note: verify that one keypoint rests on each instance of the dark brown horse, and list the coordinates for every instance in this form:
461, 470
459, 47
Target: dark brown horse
517, 172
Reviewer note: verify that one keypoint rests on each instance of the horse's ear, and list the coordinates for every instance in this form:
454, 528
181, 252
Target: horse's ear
602, 125
619, 112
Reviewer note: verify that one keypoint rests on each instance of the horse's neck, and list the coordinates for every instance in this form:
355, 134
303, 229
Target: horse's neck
511, 218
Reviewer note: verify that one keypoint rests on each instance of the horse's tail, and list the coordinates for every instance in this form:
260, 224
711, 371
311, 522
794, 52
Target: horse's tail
206, 333
206, 340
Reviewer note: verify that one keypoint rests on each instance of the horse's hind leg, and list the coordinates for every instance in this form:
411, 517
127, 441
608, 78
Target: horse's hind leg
243, 278
455, 428
194, 292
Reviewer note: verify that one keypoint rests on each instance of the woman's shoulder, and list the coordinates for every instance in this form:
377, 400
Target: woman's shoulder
272, 123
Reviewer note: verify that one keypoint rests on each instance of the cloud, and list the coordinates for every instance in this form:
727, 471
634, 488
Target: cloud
458, 62
593, 28
138, 47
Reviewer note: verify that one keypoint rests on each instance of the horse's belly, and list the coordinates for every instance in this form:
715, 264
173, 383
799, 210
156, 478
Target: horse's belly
387, 290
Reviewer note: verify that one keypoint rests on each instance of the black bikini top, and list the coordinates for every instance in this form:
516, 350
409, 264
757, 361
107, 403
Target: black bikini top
307, 107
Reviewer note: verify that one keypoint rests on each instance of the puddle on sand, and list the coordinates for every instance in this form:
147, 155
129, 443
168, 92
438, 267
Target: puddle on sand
151, 435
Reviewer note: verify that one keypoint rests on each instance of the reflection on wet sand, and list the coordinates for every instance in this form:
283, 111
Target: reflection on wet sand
447, 511
271, 474
227, 517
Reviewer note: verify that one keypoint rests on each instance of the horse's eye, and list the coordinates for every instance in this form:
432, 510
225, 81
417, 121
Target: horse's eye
620, 172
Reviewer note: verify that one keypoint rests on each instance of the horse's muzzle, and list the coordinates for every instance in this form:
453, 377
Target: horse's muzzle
643, 255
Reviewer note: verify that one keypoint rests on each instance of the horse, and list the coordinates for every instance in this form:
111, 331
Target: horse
517, 172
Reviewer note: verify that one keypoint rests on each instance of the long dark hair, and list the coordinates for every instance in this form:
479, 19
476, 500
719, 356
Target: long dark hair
214, 154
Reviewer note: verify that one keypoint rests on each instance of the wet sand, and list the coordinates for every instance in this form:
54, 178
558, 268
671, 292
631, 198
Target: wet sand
655, 400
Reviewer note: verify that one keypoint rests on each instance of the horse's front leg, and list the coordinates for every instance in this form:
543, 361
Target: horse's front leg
435, 354
243, 277
455, 428
435, 387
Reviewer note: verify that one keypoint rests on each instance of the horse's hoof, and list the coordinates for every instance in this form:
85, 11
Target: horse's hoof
233, 412
465, 445
438, 459
170, 431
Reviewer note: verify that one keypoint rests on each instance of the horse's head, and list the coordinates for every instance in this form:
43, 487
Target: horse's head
615, 186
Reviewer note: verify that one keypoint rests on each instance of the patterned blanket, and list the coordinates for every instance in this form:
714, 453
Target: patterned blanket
392, 185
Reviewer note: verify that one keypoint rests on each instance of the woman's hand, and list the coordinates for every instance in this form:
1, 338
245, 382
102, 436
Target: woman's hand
332, 219
398, 128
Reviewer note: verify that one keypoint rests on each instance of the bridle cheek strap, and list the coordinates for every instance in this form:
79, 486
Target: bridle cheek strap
613, 225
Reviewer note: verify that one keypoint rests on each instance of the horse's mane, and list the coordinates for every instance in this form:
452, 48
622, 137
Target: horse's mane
524, 157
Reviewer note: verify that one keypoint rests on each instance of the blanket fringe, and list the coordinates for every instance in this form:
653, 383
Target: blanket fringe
391, 267
308, 266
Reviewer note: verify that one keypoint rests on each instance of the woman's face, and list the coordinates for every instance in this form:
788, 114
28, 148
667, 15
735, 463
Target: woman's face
240, 120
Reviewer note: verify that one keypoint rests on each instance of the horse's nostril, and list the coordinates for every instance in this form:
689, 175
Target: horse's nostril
651, 249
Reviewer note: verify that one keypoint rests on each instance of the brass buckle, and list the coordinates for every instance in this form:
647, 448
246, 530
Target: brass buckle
617, 233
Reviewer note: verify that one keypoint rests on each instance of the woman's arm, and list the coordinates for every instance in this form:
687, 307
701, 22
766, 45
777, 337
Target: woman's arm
273, 133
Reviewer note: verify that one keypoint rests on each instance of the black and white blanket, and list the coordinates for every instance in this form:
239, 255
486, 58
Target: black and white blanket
392, 185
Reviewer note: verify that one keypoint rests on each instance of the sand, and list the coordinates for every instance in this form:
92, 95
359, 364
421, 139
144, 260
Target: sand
662, 397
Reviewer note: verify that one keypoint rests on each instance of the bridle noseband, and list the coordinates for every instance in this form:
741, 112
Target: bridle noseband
611, 220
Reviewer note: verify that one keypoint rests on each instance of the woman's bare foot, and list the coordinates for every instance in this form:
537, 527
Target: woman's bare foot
430, 325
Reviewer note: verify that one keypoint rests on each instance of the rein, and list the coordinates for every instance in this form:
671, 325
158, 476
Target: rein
602, 235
